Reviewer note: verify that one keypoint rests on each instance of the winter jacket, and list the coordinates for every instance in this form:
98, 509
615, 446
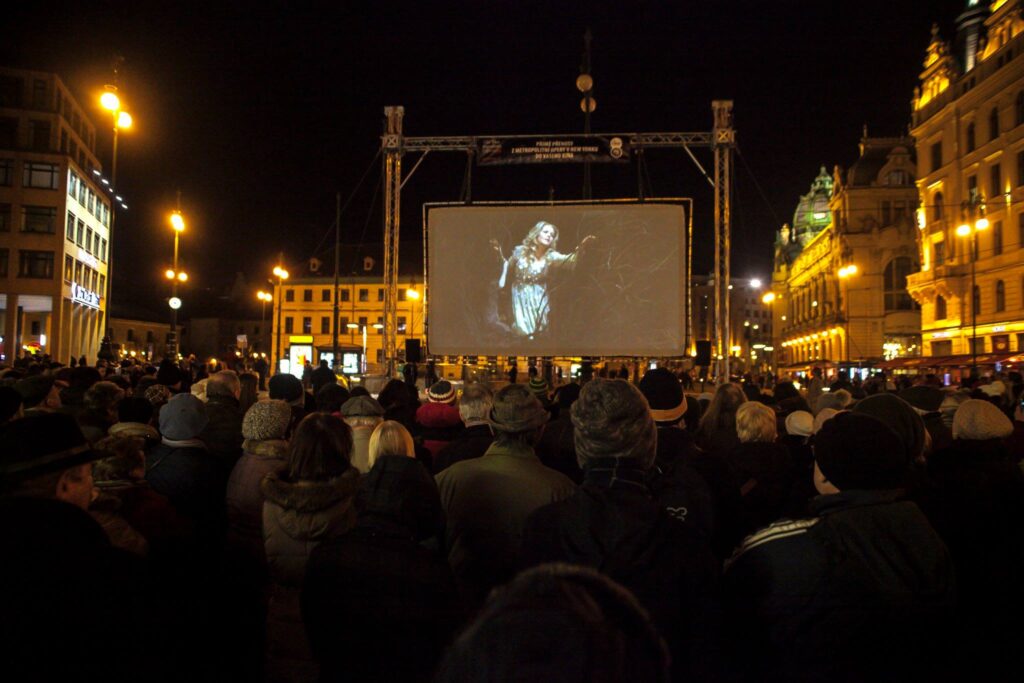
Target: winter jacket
389, 586
863, 590
765, 475
679, 488
193, 480
439, 424
471, 443
223, 433
298, 516
244, 500
487, 501
148, 512
557, 448
614, 525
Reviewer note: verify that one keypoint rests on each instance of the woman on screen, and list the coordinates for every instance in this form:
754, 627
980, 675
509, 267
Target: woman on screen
530, 269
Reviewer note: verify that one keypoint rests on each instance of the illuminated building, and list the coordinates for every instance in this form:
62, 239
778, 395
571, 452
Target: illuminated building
968, 120
54, 220
304, 305
750, 320
840, 271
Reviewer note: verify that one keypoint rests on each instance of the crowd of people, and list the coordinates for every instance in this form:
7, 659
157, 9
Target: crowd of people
164, 523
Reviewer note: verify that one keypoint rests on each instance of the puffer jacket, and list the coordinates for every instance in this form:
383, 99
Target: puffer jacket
297, 517
244, 501
439, 424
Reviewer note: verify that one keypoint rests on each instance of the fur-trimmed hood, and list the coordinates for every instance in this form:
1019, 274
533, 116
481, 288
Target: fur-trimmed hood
136, 429
310, 496
308, 510
268, 448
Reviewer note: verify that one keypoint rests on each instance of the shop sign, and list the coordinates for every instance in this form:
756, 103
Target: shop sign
84, 296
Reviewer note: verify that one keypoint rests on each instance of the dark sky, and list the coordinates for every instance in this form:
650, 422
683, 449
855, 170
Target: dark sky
260, 114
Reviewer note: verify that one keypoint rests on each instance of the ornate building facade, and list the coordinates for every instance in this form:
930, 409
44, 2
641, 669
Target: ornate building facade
839, 279
968, 120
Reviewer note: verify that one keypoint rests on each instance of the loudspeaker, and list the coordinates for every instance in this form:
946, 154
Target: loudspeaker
412, 351
703, 357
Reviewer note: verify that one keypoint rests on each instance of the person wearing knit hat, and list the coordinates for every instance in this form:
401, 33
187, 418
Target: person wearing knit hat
441, 392
866, 580
977, 420
287, 388
487, 499
899, 416
612, 523
538, 386
664, 395
158, 395
180, 467
800, 423
265, 450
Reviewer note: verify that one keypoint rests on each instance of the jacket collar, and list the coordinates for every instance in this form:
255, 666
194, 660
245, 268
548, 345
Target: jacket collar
844, 500
310, 496
267, 448
139, 429
183, 443
511, 449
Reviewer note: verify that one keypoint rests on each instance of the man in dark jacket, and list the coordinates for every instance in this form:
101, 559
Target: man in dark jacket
476, 438
556, 448
926, 401
613, 524
378, 586
223, 432
321, 377
863, 590
488, 499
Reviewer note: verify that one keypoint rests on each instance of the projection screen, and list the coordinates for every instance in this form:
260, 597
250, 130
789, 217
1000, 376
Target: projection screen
605, 279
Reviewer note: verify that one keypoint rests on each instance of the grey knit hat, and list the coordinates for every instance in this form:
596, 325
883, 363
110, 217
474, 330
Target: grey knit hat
184, 417
612, 420
267, 419
515, 410
978, 420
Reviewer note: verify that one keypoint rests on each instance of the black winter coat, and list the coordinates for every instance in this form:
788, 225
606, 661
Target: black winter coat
678, 487
619, 530
471, 443
863, 590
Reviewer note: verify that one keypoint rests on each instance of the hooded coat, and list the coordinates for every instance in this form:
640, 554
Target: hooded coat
383, 577
244, 500
297, 517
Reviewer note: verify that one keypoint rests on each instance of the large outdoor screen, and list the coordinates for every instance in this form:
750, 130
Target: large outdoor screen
556, 280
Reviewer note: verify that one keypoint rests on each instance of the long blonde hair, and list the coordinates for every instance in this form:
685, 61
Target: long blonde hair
390, 438
530, 241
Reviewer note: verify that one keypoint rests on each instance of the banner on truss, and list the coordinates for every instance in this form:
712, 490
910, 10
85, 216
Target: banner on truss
504, 151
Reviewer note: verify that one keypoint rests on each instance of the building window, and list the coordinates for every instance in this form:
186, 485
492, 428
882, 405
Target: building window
80, 233
997, 238
942, 348
307, 324
937, 208
88, 240
289, 295
41, 175
1000, 296
39, 219
69, 231
899, 178
972, 188
970, 137
976, 301
1020, 169
149, 336
380, 294
5, 217
103, 249
307, 295
39, 135
978, 345
886, 213
69, 268
1001, 343
6, 172
4, 256
325, 295
995, 180
35, 264
345, 295
1018, 109
364, 295
343, 324
380, 325
940, 253
401, 324
937, 155
896, 296
130, 336
325, 325
289, 325
993, 123
78, 273
362, 322
940, 308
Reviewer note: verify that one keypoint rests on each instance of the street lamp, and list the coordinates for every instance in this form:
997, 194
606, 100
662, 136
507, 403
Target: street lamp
264, 298
768, 299
281, 274
845, 273
973, 210
121, 119
175, 276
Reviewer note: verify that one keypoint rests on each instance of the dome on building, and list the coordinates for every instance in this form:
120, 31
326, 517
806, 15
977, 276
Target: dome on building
812, 213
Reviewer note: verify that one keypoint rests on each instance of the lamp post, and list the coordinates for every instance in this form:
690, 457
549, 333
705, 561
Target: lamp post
845, 273
768, 299
175, 276
281, 275
121, 119
264, 298
973, 210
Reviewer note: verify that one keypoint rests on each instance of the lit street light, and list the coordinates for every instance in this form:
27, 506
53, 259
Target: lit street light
281, 274
264, 297
970, 209
110, 101
175, 276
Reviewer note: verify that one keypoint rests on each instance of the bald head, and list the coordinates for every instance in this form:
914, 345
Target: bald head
224, 383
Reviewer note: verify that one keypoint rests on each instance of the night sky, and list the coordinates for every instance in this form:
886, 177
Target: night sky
260, 114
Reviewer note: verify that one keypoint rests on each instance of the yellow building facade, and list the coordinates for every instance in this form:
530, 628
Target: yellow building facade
839, 279
968, 121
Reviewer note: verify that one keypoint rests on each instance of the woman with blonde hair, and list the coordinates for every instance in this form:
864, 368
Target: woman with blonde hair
391, 438
717, 431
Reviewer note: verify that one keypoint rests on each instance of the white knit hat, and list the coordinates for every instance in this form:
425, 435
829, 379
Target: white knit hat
800, 423
978, 420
